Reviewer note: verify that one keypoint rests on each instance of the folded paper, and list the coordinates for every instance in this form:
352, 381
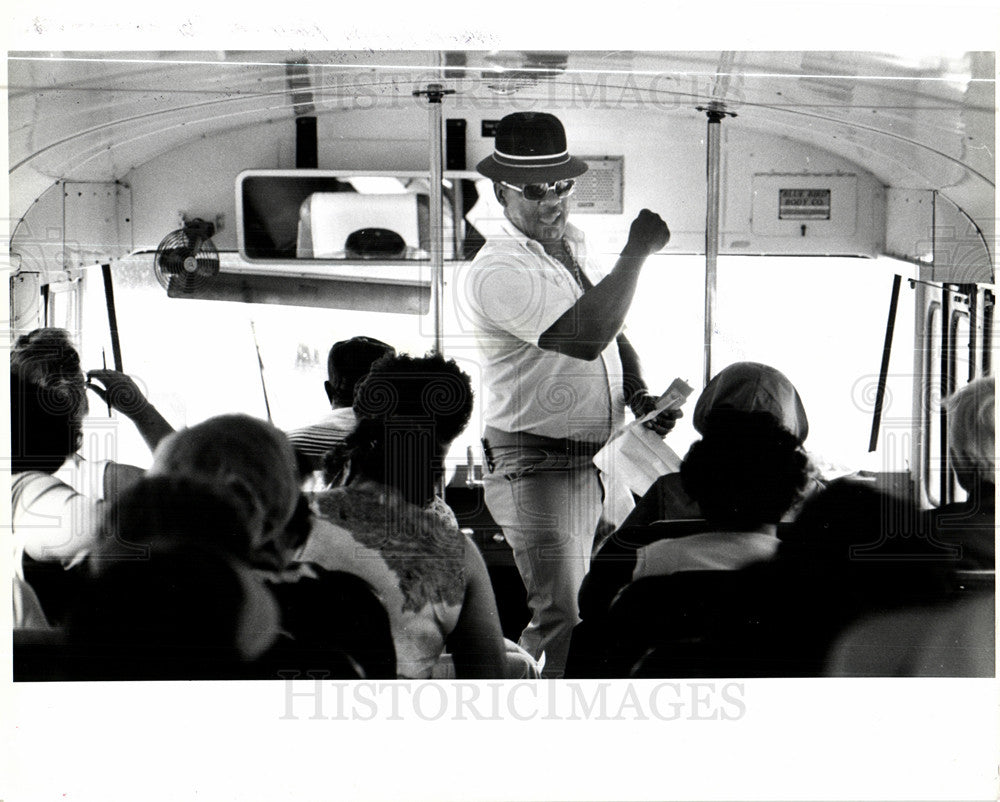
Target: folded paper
636, 456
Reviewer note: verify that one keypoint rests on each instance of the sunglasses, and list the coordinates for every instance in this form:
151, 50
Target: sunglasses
537, 192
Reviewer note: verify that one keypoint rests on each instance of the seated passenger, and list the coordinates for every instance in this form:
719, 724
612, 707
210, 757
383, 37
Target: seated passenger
854, 551
347, 363
386, 524
742, 386
970, 524
169, 593
743, 474
56, 496
323, 612
851, 553
853, 525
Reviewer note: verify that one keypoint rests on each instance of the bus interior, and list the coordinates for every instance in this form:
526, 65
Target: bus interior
832, 214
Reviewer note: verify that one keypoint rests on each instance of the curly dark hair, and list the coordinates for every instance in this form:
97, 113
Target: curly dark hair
746, 471
409, 409
48, 396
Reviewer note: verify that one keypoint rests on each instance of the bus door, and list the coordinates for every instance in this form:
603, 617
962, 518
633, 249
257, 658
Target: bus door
954, 339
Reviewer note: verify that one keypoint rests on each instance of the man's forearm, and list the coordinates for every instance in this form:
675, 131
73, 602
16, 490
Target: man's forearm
632, 381
589, 326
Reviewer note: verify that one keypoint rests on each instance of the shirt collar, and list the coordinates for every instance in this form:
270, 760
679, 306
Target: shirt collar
504, 228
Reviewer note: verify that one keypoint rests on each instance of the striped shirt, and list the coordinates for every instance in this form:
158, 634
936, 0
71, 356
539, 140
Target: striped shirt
317, 439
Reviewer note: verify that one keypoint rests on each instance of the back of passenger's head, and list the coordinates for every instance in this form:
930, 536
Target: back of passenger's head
48, 400
753, 387
169, 581
186, 610
851, 514
971, 432
166, 509
409, 410
243, 457
428, 392
349, 362
47, 357
747, 469
854, 543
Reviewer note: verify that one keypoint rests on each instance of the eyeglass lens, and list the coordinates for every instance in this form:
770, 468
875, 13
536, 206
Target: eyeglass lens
537, 192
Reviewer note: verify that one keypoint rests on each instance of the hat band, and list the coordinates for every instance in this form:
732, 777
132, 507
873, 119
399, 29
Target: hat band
550, 160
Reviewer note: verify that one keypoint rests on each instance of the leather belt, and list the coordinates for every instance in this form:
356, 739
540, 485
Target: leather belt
497, 438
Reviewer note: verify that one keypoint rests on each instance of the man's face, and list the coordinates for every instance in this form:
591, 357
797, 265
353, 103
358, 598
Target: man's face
544, 220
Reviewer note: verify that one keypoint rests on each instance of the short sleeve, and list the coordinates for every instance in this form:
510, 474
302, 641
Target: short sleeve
51, 520
515, 294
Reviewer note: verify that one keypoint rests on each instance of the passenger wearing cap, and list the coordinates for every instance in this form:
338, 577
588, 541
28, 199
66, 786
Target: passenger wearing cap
745, 473
558, 370
742, 386
737, 391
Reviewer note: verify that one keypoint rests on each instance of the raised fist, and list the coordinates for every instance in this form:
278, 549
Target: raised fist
647, 235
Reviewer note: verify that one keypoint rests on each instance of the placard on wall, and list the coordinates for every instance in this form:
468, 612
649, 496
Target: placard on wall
791, 204
600, 189
803, 204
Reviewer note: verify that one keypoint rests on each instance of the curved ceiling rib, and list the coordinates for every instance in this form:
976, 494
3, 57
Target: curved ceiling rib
896, 116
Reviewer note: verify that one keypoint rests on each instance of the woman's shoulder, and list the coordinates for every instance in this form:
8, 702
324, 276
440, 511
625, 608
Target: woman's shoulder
380, 518
28, 487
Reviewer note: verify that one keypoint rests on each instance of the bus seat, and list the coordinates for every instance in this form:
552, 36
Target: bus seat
508, 588
328, 219
47, 655
374, 243
614, 560
747, 623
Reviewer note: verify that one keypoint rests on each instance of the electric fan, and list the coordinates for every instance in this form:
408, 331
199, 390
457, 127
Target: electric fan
186, 258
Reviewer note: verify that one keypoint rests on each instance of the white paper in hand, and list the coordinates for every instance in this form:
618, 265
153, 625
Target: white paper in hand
636, 456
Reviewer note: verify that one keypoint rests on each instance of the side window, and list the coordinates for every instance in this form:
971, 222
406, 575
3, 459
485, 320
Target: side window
198, 358
821, 321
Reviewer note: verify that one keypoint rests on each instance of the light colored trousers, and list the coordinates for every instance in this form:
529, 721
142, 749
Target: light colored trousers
548, 503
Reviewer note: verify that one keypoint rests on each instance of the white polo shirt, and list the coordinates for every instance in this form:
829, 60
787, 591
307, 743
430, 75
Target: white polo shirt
509, 295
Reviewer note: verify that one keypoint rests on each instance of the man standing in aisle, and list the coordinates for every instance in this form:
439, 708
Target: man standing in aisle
557, 368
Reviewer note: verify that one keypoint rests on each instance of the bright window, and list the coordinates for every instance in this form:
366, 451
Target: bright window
819, 320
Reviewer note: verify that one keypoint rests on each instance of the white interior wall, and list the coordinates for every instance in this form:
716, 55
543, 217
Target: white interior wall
664, 156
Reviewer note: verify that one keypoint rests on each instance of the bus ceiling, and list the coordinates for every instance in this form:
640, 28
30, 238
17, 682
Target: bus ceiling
820, 153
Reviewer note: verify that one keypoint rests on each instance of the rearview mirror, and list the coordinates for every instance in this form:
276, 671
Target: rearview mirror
351, 216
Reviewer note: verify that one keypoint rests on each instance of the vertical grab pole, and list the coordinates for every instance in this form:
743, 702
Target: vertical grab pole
711, 235
713, 171
109, 299
437, 224
434, 93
